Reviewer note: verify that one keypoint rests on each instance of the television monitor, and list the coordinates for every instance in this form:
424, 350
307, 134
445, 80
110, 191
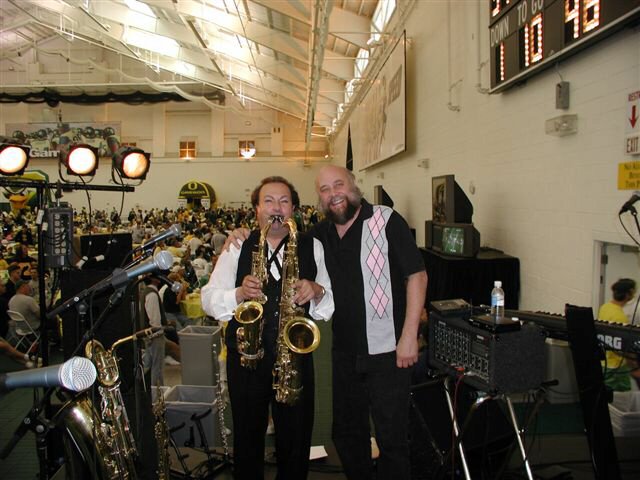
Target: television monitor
456, 239
380, 197
449, 203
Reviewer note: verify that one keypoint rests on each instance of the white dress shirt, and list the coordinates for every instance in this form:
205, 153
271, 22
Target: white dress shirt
219, 295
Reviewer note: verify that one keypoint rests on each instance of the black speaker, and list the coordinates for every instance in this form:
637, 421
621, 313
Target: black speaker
115, 248
486, 438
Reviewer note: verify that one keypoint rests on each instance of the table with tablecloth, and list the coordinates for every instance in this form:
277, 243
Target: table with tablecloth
472, 278
191, 306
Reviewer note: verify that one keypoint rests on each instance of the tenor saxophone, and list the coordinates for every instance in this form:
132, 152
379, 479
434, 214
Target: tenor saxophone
297, 335
249, 313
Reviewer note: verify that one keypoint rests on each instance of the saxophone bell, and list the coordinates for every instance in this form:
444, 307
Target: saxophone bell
301, 335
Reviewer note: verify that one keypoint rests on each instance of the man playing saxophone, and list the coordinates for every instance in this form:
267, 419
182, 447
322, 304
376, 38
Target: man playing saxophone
250, 374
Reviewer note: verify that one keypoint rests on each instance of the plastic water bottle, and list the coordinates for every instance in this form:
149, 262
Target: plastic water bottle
497, 300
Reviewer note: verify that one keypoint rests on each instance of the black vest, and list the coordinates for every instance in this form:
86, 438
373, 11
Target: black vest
273, 289
163, 316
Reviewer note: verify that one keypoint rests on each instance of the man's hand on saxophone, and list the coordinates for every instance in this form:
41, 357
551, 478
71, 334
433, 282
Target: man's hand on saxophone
306, 290
251, 288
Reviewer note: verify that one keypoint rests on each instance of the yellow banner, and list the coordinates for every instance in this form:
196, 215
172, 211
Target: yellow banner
629, 176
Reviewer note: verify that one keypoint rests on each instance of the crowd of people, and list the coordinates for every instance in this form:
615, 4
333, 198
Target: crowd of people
195, 254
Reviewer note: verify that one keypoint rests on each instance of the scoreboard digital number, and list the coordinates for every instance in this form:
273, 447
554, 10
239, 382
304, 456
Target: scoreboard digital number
527, 36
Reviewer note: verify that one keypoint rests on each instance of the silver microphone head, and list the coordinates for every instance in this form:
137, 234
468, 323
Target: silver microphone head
176, 229
77, 374
163, 260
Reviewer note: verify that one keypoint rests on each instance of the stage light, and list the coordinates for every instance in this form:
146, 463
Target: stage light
131, 162
81, 160
13, 159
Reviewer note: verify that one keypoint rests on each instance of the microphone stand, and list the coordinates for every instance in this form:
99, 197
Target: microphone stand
33, 421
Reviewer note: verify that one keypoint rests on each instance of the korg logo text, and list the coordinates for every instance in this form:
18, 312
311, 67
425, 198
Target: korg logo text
613, 342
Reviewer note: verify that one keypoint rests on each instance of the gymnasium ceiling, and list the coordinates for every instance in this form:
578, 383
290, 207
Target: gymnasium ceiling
294, 56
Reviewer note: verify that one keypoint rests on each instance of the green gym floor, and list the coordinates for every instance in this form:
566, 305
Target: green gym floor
556, 437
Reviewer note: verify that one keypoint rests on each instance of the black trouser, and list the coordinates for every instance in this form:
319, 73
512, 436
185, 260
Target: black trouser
364, 384
251, 393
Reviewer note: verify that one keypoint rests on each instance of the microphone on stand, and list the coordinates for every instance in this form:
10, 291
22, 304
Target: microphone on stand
77, 374
161, 261
628, 205
174, 286
173, 231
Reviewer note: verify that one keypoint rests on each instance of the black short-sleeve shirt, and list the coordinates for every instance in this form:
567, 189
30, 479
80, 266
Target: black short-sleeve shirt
344, 264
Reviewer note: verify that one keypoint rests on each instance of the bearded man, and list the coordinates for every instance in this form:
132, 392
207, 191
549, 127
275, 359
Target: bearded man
379, 285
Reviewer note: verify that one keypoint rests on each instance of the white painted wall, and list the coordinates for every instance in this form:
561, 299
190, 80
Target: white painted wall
543, 199
232, 179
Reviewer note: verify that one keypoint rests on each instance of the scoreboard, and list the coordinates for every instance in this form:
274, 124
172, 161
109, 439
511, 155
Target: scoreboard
527, 36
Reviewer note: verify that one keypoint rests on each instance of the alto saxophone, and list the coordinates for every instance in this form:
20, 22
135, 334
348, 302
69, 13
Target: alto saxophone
161, 432
249, 313
297, 335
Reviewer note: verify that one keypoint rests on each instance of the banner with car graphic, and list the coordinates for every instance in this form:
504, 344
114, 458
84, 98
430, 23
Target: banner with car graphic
48, 139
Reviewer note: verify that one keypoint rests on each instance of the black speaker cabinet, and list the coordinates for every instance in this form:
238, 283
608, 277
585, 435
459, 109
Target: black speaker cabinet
486, 438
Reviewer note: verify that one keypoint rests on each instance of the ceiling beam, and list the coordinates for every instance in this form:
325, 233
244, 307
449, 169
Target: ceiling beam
118, 13
319, 31
339, 66
346, 25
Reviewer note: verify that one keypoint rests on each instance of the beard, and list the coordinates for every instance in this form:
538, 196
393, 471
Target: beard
352, 204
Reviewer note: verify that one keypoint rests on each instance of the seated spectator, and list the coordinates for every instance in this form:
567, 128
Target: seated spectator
14, 276
24, 236
200, 263
3, 263
22, 358
171, 302
22, 302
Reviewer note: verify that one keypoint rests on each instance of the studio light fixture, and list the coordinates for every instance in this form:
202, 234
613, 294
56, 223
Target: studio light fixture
13, 158
80, 160
131, 162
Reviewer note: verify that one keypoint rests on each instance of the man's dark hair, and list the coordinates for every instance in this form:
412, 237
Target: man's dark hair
622, 288
255, 195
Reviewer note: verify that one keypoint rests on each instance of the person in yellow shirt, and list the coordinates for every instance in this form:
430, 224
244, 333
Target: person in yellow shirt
617, 368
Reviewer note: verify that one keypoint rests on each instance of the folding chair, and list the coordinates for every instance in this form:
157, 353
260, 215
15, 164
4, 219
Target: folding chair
22, 330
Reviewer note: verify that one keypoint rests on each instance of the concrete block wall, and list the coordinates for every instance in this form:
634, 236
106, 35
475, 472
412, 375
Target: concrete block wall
544, 199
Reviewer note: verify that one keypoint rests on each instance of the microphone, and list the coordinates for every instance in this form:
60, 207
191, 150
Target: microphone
174, 286
173, 231
77, 374
161, 261
628, 205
